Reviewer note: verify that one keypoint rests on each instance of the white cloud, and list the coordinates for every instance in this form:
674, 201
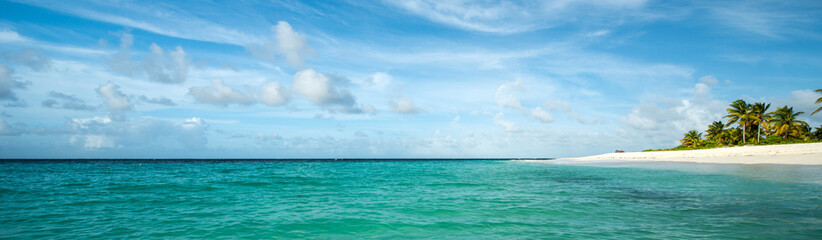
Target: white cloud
121, 62
100, 133
156, 18
710, 80
114, 99
667, 122
379, 80
291, 44
404, 106
541, 115
505, 95
156, 66
31, 58
702, 89
327, 91
801, 101
598, 33
287, 43
506, 125
220, 95
10, 36
92, 141
274, 94
513, 17
554, 105
65, 101
159, 101
767, 18
273, 137
163, 70
7, 84
191, 132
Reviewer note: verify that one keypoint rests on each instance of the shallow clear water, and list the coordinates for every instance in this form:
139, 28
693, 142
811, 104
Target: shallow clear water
403, 199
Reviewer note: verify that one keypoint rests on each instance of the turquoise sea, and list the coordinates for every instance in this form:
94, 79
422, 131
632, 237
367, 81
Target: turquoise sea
439, 199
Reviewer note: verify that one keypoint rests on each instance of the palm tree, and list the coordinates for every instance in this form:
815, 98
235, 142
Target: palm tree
715, 132
692, 139
739, 112
759, 117
733, 135
806, 132
818, 100
784, 122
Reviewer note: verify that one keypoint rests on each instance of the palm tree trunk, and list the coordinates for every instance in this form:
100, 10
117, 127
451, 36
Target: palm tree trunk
743, 133
758, 132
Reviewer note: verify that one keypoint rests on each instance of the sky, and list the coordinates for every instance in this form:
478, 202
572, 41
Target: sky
391, 79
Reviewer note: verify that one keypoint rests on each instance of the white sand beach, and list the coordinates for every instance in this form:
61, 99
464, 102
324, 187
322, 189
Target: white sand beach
800, 154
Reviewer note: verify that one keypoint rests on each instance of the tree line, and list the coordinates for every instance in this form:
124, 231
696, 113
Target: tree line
752, 123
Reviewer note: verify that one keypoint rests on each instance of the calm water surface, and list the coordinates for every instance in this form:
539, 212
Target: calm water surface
406, 199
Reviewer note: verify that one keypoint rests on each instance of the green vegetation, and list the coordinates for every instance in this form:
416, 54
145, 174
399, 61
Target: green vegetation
753, 125
818, 101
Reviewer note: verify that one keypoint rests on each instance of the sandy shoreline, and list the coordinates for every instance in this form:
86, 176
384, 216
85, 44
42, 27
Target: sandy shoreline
802, 154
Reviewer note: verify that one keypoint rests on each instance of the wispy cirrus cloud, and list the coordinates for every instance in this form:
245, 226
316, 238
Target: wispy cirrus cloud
772, 19
507, 17
160, 18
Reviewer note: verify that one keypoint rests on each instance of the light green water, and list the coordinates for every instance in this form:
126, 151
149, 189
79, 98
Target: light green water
405, 199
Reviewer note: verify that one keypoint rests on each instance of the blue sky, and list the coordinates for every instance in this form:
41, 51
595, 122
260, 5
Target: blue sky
374, 79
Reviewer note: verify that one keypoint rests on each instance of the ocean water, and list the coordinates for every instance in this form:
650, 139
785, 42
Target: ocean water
406, 199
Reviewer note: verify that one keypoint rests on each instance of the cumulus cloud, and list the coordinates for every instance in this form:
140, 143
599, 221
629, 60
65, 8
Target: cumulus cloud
31, 58
121, 62
171, 69
702, 89
288, 43
191, 132
505, 95
541, 115
64, 101
99, 133
221, 95
114, 99
90, 133
328, 91
92, 141
669, 119
274, 94
404, 106
506, 125
157, 66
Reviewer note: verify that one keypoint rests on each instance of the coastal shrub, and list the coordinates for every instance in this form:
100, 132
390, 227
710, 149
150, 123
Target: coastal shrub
781, 140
